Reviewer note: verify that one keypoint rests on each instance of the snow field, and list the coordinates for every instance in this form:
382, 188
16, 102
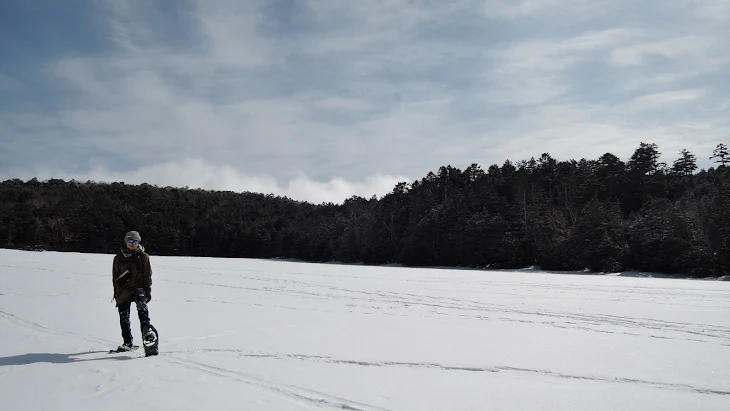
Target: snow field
272, 335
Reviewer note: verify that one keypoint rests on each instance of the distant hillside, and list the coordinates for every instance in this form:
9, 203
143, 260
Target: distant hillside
603, 215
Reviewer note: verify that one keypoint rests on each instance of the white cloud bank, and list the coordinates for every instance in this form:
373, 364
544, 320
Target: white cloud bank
197, 173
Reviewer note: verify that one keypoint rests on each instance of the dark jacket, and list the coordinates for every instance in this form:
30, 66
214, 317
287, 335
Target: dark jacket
131, 270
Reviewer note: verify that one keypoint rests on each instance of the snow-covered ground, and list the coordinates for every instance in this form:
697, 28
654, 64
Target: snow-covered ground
241, 334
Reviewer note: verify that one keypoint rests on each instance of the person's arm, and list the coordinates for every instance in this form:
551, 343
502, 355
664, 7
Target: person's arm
147, 271
115, 274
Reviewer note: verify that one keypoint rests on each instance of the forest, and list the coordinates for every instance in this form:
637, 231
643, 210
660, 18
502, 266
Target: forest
600, 215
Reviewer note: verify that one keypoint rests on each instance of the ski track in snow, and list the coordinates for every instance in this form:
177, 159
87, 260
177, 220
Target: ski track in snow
441, 367
310, 396
481, 311
314, 396
13, 319
584, 321
387, 300
322, 398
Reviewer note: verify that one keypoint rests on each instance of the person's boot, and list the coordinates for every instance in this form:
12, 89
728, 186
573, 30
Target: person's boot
127, 346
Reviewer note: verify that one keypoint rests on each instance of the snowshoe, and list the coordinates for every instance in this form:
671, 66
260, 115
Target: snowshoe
124, 348
151, 341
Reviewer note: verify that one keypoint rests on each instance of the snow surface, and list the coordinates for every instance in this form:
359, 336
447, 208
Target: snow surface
240, 334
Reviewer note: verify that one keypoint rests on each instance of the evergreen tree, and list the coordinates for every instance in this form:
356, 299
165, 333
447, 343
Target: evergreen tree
721, 154
645, 160
685, 164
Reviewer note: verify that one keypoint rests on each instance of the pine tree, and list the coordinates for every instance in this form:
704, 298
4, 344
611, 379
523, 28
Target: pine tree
645, 160
722, 154
686, 164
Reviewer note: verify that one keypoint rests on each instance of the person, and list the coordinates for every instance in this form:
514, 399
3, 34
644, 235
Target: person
132, 280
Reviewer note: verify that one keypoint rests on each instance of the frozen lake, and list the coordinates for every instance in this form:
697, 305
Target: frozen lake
239, 334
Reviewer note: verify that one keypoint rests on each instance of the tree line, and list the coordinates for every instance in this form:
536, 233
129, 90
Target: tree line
604, 215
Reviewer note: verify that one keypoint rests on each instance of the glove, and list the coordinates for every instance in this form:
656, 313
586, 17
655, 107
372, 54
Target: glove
149, 296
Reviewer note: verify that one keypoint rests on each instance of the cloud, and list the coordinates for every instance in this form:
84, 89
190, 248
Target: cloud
689, 47
660, 100
530, 8
597, 91
197, 173
323, 98
707, 11
533, 72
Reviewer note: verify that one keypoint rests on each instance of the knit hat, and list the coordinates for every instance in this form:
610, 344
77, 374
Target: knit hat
132, 235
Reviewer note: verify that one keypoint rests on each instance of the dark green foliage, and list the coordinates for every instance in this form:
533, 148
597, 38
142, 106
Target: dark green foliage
603, 215
685, 164
722, 155
645, 160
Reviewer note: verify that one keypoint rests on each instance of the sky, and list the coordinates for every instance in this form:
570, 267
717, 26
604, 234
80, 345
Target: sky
320, 100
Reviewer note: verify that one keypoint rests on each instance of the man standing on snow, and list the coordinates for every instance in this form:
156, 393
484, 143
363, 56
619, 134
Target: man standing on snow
132, 280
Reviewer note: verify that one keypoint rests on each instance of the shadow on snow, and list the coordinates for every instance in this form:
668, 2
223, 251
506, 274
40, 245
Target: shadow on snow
57, 358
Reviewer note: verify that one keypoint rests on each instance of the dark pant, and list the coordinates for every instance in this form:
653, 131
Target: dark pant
140, 299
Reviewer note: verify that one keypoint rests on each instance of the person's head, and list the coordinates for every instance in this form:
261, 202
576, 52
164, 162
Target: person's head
132, 240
